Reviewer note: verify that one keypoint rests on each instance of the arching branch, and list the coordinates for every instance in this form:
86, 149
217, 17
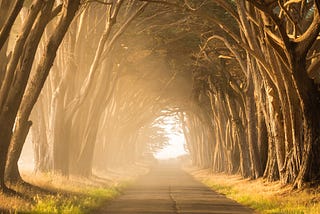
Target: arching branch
5, 31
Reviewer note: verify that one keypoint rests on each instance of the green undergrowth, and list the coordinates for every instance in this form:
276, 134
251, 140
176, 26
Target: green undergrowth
297, 203
83, 202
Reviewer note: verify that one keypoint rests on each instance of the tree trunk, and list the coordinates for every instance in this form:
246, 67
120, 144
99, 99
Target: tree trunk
12, 171
36, 83
41, 147
11, 17
310, 98
262, 137
256, 168
241, 139
11, 101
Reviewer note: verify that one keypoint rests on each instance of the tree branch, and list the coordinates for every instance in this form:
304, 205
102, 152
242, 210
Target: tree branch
317, 4
186, 3
55, 12
17, 51
5, 31
276, 20
296, 27
306, 40
314, 67
99, 1
277, 45
163, 2
228, 8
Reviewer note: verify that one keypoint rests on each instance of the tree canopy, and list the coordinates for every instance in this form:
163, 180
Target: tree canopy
92, 80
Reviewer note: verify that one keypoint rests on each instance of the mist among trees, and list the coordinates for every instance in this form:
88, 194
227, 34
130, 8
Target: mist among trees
91, 83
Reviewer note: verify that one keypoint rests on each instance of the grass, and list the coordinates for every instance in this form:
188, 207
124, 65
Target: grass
75, 195
262, 196
49, 193
67, 198
81, 203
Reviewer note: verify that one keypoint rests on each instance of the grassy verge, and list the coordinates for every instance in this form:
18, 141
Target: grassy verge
262, 196
74, 203
75, 195
49, 193
60, 196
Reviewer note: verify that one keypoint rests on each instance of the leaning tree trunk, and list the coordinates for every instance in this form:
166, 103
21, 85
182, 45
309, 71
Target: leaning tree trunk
37, 82
12, 171
11, 96
7, 19
6, 23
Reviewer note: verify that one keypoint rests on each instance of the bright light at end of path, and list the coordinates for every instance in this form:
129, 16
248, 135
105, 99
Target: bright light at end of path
174, 149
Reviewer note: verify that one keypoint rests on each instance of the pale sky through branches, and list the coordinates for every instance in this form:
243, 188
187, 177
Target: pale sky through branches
176, 144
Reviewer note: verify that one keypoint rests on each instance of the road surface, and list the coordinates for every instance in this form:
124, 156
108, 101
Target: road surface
169, 189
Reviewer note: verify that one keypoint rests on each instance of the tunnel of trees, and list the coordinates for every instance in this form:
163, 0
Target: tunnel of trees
89, 82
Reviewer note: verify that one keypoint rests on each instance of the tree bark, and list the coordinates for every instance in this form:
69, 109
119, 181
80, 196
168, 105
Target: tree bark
5, 30
310, 98
11, 101
12, 173
241, 139
256, 168
38, 80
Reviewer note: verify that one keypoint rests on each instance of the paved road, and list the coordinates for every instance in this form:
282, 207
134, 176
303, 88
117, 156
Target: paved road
168, 189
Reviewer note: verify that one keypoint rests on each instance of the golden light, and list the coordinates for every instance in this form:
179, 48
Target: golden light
176, 143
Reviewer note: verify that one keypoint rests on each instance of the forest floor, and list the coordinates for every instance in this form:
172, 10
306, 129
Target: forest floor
55, 194
265, 197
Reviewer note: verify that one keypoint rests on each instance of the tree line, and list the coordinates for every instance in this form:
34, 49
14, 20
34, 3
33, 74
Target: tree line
89, 78
260, 92
69, 82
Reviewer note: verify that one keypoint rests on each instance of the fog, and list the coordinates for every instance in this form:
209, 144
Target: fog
176, 141
89, 86
114, 101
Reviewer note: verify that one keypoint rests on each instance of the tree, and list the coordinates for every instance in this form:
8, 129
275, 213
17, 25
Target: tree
276, 41
18, 71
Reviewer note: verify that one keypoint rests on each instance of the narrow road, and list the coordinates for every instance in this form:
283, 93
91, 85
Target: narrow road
168, 189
